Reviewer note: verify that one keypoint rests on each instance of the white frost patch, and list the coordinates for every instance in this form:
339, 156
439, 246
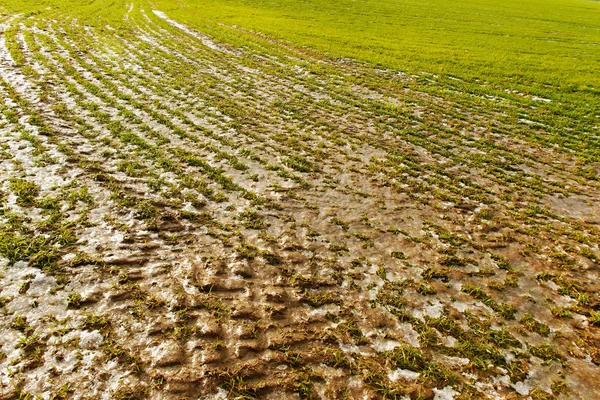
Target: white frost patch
189, 207
87, 340
164, 353
539, 376
350, 348
536, 98
527, 121
3, 50
406, 374
128, 12
12, 74
248, 70
381, 345
322, 311
15, 275
449, 341
461, 306
492, 388
90, 340
4, 53
433, 310
522, 388
454, 361
446, 393
355, 382
222, 394
41, 284
409, 334
204, 39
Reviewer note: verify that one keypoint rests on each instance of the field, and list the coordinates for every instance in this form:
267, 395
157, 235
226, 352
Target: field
299, 199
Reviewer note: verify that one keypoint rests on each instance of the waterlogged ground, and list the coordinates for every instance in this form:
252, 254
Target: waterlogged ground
183, 218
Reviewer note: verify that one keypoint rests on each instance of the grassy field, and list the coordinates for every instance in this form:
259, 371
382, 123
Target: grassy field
534, 43
546, 49
273, 200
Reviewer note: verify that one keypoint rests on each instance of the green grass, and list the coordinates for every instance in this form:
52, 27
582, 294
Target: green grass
549, 49
546, 48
